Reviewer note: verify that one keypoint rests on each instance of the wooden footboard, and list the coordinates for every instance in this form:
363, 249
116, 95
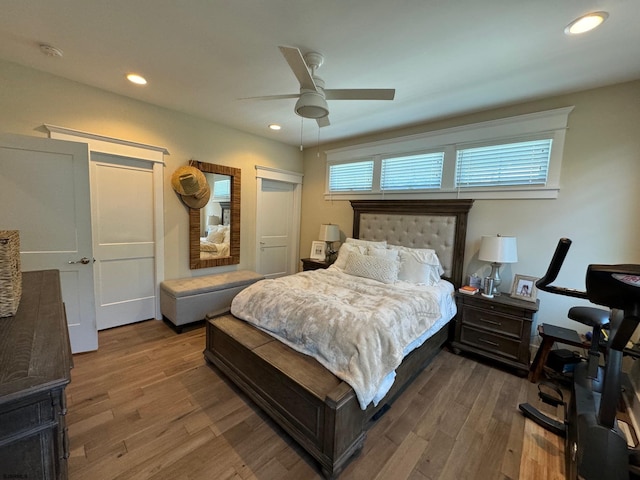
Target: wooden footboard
316, 408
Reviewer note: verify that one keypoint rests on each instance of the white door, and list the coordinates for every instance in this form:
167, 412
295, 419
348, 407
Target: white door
44, 193
275, 235
122, 205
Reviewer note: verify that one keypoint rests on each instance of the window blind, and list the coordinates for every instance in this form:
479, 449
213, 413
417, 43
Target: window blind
412, 172
522, 163
222, 188
349, 177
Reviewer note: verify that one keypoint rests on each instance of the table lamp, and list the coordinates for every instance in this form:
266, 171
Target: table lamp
497, 250
329, 233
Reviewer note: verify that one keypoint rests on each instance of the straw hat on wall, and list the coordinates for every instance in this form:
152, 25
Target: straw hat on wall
192, 186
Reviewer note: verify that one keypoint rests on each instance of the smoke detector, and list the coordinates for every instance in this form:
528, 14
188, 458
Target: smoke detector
50, 50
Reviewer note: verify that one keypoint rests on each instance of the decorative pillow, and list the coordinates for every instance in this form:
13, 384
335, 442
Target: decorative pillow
383, 253
367, 243
227, 234
343, 254
376, 268
419, 265
216, 235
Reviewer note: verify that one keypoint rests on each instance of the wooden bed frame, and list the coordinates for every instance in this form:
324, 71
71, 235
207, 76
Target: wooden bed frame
316, 408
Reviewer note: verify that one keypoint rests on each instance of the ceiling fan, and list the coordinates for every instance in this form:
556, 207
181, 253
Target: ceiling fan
312, 99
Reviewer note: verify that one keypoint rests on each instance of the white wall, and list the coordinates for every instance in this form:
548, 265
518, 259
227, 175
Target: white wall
597, 207
29, 99
598, 204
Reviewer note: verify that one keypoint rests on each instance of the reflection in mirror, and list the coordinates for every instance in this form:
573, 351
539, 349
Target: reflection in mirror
214, 230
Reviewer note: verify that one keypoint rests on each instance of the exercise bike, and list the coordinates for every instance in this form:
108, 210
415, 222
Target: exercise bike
595, 447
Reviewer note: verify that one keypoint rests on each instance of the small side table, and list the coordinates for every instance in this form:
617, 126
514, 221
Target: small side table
497, 328
313, 264
553, 335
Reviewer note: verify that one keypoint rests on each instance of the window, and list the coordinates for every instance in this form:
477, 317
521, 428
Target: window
516, 157
393, 173
221, 187
412, 172
351, 177
510, 164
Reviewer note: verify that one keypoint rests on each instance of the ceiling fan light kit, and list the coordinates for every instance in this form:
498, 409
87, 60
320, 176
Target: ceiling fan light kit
312, 105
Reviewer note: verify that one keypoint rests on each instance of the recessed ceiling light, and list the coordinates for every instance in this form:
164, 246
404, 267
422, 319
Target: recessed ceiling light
586, 23
137, 79
274, 126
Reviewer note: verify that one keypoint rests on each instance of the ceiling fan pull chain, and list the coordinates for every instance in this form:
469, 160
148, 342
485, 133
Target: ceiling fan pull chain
301, 125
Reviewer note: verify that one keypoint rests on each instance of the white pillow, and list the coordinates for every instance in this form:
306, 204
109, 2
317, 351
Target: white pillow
367, 243
227, 234
216, 236
419, 265
343, 254
383, 252
376, 268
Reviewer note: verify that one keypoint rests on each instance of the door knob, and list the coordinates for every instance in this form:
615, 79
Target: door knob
83, 260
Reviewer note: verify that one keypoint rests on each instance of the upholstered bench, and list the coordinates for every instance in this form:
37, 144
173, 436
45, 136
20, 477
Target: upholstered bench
188, 300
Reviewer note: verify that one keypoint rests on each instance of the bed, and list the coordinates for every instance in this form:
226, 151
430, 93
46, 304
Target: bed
319, 410
216, 243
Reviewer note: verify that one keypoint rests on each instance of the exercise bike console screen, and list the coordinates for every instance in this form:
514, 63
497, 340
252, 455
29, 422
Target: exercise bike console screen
616, 286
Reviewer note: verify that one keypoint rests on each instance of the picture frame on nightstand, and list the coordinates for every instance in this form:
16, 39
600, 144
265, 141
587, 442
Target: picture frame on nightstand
318, 250
524, 288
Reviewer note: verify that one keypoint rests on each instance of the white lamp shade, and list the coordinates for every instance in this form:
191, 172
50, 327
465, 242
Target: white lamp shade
498, 249
329, 232
213, 220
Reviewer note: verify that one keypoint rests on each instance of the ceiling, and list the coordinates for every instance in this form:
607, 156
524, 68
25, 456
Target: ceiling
443, 57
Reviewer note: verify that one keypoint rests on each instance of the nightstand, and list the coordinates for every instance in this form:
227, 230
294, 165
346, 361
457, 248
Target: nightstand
313, 264
498, 328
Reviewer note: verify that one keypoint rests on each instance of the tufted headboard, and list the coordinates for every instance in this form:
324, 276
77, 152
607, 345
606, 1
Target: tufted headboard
437, 224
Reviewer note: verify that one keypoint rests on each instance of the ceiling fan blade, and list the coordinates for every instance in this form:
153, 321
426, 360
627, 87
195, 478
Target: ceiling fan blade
323, 122
360, 94
300, 69
272, 97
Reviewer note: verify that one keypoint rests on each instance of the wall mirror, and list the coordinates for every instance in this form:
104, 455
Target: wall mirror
214, 230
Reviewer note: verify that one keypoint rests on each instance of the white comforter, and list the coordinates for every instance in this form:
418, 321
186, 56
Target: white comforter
359, 329
215, 249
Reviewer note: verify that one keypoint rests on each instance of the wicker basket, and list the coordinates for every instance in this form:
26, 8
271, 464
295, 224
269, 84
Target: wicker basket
10, 274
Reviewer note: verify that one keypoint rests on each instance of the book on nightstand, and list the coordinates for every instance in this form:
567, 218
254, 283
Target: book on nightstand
468, 290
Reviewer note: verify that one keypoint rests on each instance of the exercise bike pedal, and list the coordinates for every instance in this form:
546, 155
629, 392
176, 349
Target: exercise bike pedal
555, 398
554, 426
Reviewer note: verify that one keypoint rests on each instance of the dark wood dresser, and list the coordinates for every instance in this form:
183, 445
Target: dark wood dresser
35, 364
498, 328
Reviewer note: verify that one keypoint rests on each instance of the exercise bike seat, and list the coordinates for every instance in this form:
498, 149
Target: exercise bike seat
597, 319
593, 317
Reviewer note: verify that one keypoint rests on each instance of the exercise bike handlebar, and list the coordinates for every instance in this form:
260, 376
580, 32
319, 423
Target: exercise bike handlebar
544, 283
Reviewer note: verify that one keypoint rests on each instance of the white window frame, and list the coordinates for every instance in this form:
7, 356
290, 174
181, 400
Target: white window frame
548, 124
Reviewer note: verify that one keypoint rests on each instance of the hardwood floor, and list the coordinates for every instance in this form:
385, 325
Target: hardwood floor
146, 405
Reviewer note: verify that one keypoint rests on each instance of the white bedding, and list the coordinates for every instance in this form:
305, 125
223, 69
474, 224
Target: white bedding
359, 329
212, 249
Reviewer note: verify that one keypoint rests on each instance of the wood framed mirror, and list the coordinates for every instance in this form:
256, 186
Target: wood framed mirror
214, 230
